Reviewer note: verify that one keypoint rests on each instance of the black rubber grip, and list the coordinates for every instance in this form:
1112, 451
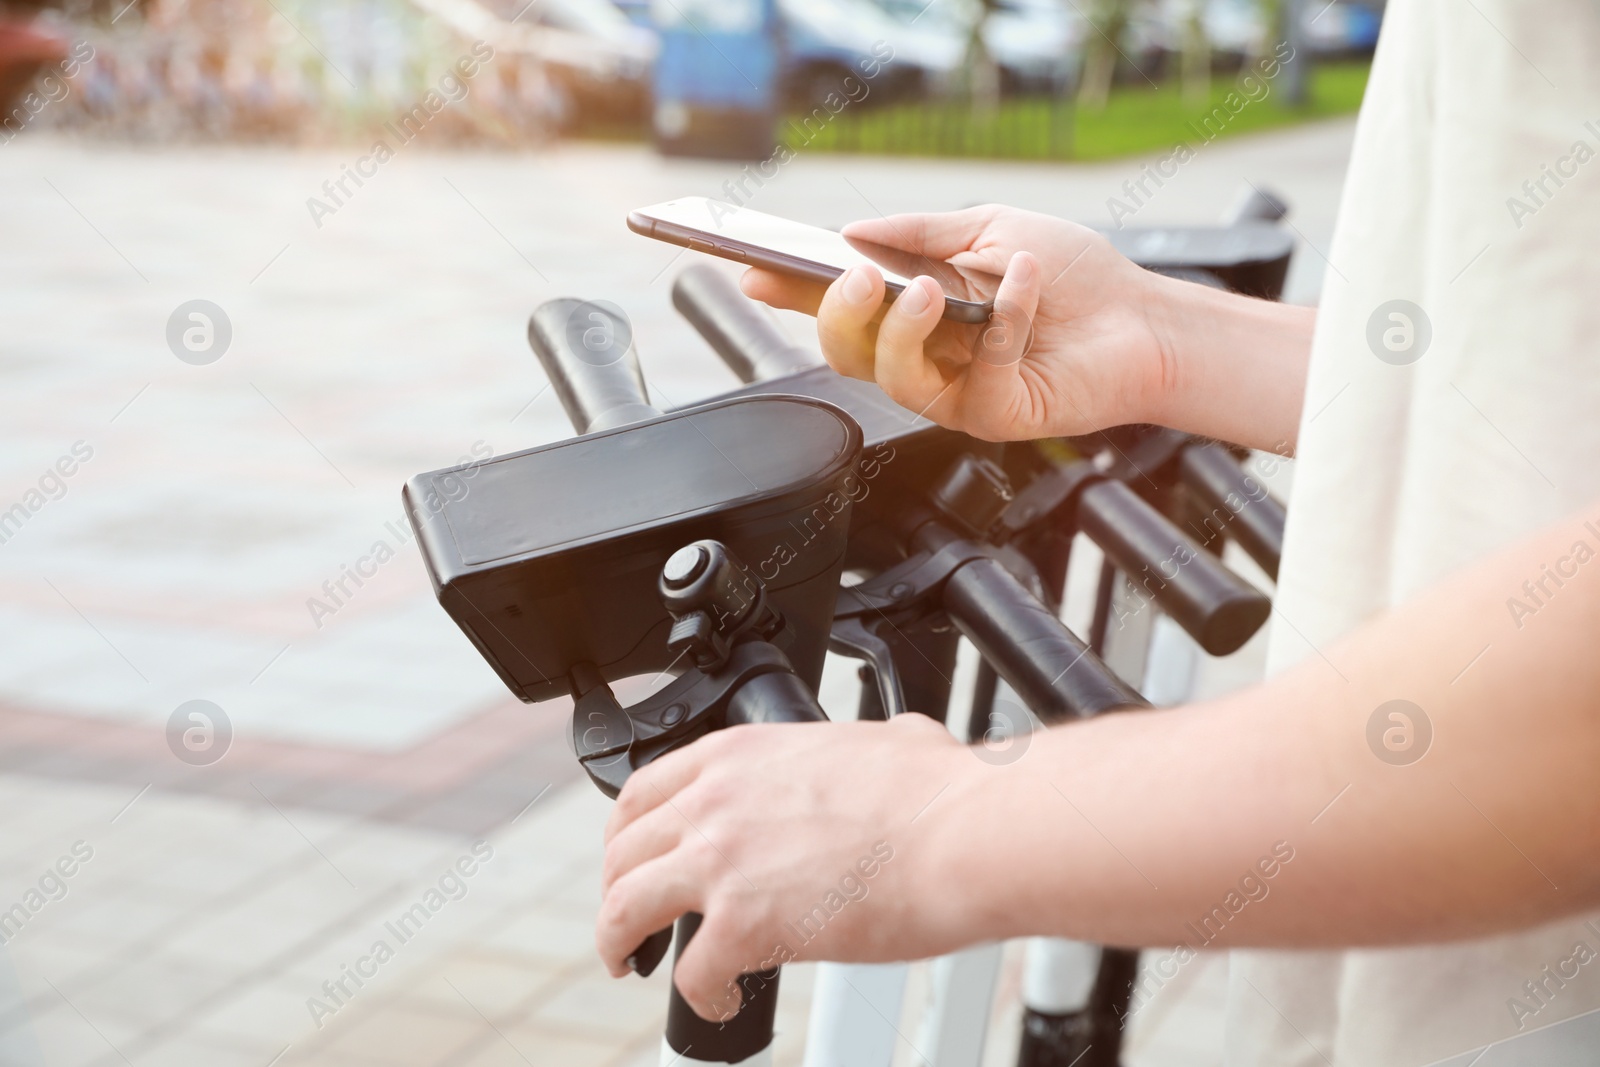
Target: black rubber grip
740, 330
1219, 609
1235, 502
1054, 673
586, 348
778, 696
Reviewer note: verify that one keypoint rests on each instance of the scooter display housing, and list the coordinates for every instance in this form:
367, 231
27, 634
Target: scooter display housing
552, 556
902, 454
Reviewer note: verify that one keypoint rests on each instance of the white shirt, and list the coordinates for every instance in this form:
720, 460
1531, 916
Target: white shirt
1407, 472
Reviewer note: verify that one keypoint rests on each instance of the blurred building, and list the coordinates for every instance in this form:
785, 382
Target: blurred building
302, 71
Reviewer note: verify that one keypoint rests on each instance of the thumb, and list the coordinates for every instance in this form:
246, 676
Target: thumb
993, 375
939, 234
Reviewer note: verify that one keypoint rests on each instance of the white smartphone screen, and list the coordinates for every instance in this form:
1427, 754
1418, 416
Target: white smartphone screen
730, 226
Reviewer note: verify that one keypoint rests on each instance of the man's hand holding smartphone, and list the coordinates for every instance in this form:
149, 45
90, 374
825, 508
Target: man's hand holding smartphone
1069, 348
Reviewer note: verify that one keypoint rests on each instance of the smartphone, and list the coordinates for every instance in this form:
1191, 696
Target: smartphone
744, 236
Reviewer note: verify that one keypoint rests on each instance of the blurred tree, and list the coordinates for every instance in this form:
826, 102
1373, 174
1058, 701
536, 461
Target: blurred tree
1107, 21
1274, 27
1297, 71
1194, 62
980, 74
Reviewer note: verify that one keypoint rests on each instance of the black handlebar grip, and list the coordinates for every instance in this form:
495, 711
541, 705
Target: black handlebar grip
1216, 607
777, 696
1054, 673
1239, 503
742, 332
586, 348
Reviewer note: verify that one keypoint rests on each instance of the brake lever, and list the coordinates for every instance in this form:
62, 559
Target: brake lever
851, 637
651, 951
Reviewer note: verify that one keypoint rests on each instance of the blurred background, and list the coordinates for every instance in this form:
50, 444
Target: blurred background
266, 259
1045, 79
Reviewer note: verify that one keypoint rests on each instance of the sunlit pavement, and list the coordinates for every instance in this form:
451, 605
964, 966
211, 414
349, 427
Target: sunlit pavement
201, 547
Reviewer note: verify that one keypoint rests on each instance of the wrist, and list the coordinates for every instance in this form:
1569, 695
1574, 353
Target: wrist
1173, 313
977, 846
1225, 365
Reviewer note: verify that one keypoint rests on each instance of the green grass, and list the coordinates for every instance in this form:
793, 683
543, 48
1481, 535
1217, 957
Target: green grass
1135, 120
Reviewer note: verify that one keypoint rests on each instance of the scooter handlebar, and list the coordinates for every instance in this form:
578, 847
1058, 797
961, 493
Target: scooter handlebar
1054, 673
1247, 512
1216, 607
741, 331
586, 348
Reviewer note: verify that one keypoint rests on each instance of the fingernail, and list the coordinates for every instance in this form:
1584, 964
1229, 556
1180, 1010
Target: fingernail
1022, 267
915, 299
857, 286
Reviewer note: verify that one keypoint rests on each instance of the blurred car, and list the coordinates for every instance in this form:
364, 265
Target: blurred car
608, 77
1239, 27
1348, 26
1037, 44
825, 40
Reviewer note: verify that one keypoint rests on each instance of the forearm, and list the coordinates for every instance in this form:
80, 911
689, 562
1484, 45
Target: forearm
1232, 367
1136, 827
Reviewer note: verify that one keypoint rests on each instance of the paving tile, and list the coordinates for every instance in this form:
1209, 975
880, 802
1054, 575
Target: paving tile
270, 1012
191, 1051
592, 1004
81, 1035
647, 1054
197, 878
520, 1046
236, 936
328, 955
468, 985
356, 796
118, 921
554, 936
580, 891
19, 1021
63, 960
324, 1058
405, 1034
516, 877
148, 993
68, 1040
312, 896
566, 823
379, 854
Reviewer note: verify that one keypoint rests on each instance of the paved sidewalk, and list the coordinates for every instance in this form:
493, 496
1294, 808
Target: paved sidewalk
211, 508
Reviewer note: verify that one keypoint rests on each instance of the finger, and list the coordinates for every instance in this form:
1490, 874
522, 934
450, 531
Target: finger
902, 367
707, 973
844, 321
641, 841
993, 377
654, 785
647, 899
782, 290
941, 234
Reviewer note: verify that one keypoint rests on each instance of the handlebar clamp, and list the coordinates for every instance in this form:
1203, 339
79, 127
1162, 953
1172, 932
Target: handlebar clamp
722, 618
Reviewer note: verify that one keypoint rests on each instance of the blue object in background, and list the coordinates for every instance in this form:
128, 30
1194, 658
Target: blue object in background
716, 85
1364, 23
638, 12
